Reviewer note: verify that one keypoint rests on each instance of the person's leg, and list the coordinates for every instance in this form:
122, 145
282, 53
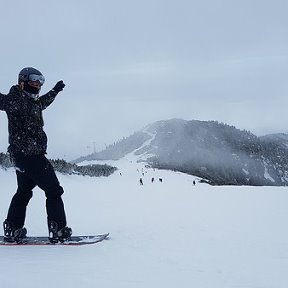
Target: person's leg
49, 183
17, 209
40, 170
14, 224
56, 217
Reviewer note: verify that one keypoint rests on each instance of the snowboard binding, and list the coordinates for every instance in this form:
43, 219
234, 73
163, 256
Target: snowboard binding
58, 235
13, 235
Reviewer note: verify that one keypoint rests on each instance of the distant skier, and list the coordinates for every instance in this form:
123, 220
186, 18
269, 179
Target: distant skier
141, 181
152, 180
27, 149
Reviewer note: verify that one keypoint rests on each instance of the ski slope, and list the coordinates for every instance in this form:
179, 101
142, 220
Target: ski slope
163, 234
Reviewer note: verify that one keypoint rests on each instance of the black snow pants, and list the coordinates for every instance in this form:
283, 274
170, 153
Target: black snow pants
34, 171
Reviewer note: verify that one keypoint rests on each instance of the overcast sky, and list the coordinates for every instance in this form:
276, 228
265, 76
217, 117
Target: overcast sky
128, 63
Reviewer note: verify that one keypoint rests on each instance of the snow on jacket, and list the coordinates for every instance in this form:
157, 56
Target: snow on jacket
25, 121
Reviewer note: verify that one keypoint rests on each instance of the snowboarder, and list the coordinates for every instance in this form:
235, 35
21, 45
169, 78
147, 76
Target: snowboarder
27, 149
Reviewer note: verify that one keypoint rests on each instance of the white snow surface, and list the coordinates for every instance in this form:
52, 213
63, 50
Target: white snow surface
163, 234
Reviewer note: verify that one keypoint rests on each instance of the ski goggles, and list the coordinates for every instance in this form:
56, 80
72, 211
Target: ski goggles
35, 78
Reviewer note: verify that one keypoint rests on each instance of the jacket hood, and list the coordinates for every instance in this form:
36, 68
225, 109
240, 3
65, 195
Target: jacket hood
15, 89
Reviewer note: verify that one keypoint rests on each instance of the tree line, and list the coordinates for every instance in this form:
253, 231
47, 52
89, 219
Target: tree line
60, 165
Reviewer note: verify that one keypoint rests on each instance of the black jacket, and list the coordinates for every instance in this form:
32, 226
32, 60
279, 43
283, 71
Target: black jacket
25, 121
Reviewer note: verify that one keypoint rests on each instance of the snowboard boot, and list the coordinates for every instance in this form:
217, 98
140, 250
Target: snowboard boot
58, 232
13, 235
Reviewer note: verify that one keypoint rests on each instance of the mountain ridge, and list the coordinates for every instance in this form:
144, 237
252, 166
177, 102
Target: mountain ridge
217, 152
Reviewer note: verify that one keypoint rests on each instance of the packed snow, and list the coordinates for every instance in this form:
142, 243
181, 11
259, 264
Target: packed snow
162, 234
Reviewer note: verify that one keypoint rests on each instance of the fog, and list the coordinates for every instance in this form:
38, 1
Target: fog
129, 63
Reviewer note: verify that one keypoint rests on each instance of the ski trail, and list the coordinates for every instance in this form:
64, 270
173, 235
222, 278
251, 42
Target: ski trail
142, 157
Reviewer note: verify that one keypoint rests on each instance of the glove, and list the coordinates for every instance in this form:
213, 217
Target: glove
59, 86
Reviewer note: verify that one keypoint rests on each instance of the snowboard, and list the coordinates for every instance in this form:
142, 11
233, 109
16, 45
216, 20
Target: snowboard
42, 240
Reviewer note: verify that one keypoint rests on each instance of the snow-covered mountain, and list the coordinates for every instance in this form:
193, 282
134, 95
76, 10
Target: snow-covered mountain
219, 153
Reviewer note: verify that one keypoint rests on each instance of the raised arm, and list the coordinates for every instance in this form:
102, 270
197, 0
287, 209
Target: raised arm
49, 97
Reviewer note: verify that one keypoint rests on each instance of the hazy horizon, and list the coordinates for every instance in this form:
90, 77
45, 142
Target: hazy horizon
127, 64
